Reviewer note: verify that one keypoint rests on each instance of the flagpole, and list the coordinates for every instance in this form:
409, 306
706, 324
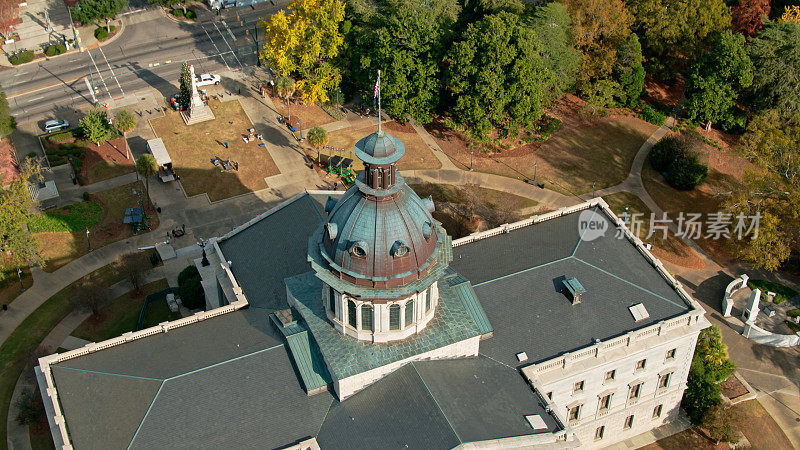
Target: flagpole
379, 102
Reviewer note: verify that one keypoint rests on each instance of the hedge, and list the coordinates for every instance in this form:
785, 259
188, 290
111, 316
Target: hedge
55, 49
102, 34
22, 57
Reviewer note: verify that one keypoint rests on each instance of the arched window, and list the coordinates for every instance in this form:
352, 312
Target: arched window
331, 300
394, 317
366, 318
351, 313
409, 312
428, 300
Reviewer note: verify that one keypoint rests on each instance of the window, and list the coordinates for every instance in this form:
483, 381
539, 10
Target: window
657, 411
428, 300
366, 318
598, 433
394, 317
635, 391
605, 402
671, 354
578, 387
610, 375
351, 313
575, 413
628, 422
663, 380
332, 300
409, 312
640, 365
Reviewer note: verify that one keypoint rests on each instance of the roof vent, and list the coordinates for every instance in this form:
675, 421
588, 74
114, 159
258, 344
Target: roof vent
639, 312
332, 230
536, 422
522, 356
575, 289
329, 204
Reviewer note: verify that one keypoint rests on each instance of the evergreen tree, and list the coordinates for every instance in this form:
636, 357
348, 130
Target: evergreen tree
95, 126
629, 71
185, 82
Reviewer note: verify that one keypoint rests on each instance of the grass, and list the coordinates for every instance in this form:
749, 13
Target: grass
119, 315
448, 193
70, 218
309, 115
192, 147
158, 311
29, 334
671, 249
59, 248
417, 156
9, 286
782, 293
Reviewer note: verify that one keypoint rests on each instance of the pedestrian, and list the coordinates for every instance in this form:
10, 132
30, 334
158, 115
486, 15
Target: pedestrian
226, 144
336, 186
183, 227
240, 91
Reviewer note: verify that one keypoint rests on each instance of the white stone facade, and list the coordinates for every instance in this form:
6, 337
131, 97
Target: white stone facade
641, 375
391, 321
346, 387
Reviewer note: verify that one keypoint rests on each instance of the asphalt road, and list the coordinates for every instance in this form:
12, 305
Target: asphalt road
147, 54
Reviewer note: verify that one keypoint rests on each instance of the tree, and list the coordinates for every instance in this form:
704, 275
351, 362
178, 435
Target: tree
408, 42
775, 54
17, 246
551, 23
629, 71
30, 407
169, 3
185, 86
147, 167
717, 79
497, 78
305, 41
791, 14
95, 126
7, 122
285, 86
317, 136
748, 16
90, 293
9, 15
678, 159
676, 30
599, 27
191, 288
710, 366
134, 266
722, 423
91, 11
125, 121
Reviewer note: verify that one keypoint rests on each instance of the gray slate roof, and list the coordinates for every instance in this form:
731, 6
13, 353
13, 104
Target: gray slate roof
518, 278
273, 248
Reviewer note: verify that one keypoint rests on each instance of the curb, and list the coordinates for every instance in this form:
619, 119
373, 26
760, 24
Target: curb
169, 16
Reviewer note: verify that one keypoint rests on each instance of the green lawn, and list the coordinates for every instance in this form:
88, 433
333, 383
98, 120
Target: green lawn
30, 333
119, 315
782, 293
70, 218
157, 312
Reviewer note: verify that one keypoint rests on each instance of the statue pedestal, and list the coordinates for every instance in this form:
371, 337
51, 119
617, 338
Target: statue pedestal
197, 114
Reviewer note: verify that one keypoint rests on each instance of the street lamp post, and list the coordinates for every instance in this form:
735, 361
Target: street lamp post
19, 275
625, 216
74, 32
593, 184
470, 159
534, 172
87, 239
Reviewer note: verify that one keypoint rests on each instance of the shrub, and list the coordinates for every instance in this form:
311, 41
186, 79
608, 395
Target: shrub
188, 272
676, 157
191, 15
547, 126
687, 172
31, 155
102, 34
86, 196
55, 49
22, 57
648, 114
192, 295
177, 12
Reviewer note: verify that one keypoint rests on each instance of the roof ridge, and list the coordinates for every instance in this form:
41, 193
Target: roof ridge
439, 407
100, 372
141, 422
247, 355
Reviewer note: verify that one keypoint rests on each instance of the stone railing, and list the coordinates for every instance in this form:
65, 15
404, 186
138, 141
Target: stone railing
732, 289
761, 336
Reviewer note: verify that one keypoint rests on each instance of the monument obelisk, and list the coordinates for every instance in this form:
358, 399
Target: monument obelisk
197, 111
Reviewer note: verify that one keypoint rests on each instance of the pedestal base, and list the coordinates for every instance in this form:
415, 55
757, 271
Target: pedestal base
197, 115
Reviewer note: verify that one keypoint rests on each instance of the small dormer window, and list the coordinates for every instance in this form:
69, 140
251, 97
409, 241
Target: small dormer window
359, 249
399, 249
332, 230
427, 230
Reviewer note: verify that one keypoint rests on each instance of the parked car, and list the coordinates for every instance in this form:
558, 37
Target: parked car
206, 79
55, 125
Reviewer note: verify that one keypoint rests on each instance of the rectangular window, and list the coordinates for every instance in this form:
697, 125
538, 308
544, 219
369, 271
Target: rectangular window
332, 300
628, 422
671, 354
635, 391
640, 365
657, 411
578, 387
428, 299
610, 375
575, 413
394, 317
663, 381
598, 433
605, 402
351, 313
409, 312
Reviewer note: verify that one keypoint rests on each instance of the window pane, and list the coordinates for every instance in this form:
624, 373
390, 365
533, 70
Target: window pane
394, 317
409, 313
428, 299
351, 313
331, 300
366, 318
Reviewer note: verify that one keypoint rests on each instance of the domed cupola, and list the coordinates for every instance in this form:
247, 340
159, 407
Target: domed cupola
380, 249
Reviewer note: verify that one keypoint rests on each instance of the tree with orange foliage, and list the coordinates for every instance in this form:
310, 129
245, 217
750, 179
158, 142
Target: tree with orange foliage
9, 15
791, 14
748, 16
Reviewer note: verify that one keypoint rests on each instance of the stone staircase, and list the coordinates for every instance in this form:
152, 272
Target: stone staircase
43, 21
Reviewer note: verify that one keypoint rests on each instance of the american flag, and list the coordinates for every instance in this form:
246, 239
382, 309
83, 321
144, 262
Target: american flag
377, 88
